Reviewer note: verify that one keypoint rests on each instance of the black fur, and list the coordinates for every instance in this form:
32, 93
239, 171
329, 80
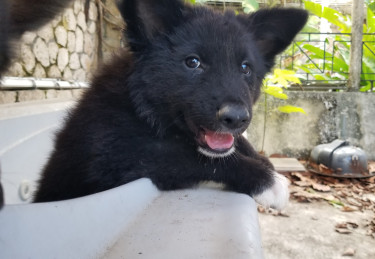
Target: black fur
144, 113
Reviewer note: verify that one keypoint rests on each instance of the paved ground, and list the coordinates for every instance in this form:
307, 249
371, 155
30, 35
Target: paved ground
309, 231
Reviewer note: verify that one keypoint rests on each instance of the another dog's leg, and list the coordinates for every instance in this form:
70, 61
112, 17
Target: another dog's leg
4, 35
31, 14
18, 16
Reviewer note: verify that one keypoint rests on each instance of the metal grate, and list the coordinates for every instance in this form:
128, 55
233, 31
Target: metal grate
329, 67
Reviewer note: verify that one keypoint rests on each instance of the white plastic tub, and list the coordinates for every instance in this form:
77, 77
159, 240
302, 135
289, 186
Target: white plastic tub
132, 221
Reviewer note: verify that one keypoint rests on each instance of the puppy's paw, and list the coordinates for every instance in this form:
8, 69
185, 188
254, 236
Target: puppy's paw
277, 196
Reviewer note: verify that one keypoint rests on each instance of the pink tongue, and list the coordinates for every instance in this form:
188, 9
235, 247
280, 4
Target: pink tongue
218, 141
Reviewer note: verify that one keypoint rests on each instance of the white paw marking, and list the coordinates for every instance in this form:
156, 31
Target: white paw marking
277, 196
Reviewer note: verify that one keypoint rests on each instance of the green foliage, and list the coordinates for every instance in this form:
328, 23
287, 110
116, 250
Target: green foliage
290, 109
333, 16
284, 77
335, 64
190, 1
274, 85
247, 5
371, 5
250, 6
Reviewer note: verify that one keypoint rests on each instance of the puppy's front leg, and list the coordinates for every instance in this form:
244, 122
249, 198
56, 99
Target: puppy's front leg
275, 195
245, 171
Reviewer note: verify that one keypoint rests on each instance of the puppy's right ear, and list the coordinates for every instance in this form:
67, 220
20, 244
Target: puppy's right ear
274, 29
147, 19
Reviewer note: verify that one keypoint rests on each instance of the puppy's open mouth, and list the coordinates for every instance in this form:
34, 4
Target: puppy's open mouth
215, 144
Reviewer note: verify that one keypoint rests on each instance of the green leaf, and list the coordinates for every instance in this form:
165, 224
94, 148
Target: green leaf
250, 6
321, 77
371, 6
314, 8
336, 203
329, 14
312, 24
290, 109
337, 19
283, 77
370, 21
318, 52
339, 65
275, 91
365, 88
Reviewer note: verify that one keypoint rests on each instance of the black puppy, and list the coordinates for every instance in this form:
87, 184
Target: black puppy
173, 107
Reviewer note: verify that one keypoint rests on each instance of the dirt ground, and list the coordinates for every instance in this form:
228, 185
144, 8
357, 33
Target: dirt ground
326, 218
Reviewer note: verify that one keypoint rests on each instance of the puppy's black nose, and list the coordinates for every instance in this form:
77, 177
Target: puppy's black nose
233, 116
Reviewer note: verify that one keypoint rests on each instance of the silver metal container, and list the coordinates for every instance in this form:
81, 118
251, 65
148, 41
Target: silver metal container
340, 159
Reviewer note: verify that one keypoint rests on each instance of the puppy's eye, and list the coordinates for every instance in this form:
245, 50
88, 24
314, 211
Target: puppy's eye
193, 62
246, 68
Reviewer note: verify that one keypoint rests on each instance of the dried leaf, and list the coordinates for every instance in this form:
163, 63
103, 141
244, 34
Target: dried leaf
301, 177
325, 170
302, 183
349, 252
354, 202
343, 231
369, 197
261, 209
341, 225
321, 187
352, 225
331, 180
282, 214
329, 197
346, 225
348, 209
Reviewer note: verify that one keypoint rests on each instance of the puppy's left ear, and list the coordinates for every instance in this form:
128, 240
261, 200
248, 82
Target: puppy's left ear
274, 29
147, 19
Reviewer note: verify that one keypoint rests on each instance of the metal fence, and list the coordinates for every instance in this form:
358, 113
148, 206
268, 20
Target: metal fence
322, 60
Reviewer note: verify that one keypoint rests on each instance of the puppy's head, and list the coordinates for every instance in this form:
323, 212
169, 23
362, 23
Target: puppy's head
201, 70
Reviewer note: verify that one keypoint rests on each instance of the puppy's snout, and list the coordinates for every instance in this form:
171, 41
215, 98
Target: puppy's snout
233, 116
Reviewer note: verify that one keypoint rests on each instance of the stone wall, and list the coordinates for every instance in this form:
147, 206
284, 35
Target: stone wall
7, 97
65, 48
112, 29
349, 116
68, 48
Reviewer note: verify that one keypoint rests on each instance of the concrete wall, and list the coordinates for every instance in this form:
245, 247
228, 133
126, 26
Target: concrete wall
329, 116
